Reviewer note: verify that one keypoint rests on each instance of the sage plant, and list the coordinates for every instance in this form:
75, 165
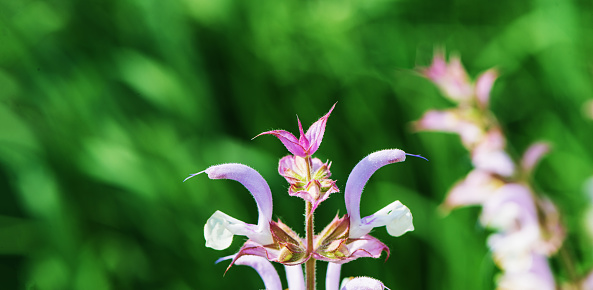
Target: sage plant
527, 226
345, 239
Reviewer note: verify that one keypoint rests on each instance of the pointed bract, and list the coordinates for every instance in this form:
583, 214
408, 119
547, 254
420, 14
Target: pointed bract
308, 143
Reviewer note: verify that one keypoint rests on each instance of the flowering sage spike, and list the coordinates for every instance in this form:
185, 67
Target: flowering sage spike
308, 143
220, 227
396, 216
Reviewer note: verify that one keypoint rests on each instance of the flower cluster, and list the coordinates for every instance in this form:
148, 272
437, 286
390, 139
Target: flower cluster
343, 240
528, 226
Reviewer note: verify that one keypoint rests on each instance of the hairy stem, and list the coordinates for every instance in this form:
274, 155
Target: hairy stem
309, 228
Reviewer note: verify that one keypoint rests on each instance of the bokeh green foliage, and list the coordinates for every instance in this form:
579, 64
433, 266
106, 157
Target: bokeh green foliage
105, 106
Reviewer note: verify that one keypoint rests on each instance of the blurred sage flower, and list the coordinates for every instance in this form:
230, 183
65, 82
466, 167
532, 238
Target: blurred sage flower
528, 227
537, 276
450, 78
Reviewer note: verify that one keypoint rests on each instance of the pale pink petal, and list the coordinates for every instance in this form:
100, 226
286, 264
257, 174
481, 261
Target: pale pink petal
477, 187
359, 177
510, 208
498, 162
220, 228
484, 86
294, 277
489, 155
512, 211
537, 277
450, 78
438, 68
315, 133
456, 84
533, 155
289, 140
332, 277
437, 120
450, 121
363, 283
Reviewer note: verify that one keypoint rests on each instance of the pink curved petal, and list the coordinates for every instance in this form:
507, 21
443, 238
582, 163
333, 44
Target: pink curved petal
484, 86
361, 174
533, 155
289, 140
476, 188
315, 133
264, 268
489, 155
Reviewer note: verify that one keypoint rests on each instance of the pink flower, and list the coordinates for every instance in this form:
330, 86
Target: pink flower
452, 121
308, 143
450, 78
294, 170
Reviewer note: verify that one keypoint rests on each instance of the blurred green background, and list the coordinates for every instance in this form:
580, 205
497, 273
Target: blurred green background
106, 106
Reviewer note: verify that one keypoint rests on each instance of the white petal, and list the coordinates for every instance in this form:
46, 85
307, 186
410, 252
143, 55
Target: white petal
220, 228
396, 217
217, 236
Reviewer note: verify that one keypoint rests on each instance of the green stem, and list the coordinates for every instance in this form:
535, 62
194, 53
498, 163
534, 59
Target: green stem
309, 228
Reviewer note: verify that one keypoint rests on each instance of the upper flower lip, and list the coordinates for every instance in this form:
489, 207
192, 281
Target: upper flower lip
220, 228
308, 143
396, 216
